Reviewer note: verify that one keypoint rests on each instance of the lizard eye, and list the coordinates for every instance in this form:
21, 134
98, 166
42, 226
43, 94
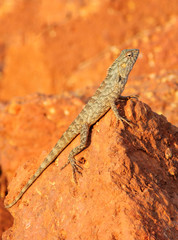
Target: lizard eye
129, 54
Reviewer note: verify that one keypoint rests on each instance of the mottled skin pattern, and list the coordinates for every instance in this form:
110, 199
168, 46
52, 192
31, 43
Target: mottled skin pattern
105, 98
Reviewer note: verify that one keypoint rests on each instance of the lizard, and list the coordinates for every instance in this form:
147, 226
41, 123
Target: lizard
104, 99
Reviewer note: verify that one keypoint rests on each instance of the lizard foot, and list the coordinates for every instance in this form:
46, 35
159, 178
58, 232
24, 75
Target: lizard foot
133, 96
126, 121
75, 167
128, 97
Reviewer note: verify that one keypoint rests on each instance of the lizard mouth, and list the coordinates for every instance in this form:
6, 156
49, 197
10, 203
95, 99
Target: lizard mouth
135, 54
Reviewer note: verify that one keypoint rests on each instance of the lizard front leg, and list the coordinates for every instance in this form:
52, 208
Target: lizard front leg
116, 113
83, 144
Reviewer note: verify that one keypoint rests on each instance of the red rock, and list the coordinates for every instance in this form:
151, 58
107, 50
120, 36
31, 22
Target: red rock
127, 190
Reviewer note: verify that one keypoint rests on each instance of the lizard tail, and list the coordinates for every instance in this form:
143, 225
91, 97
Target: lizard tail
47, 161
58, 148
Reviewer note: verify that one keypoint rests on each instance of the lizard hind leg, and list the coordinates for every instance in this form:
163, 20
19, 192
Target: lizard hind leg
84, 132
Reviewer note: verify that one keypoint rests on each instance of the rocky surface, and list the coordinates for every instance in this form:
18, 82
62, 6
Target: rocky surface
65, 48
128, 189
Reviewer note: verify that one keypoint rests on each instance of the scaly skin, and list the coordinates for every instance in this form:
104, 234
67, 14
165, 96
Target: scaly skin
105, 98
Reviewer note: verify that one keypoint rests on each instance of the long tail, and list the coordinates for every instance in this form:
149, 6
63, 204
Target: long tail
63, 142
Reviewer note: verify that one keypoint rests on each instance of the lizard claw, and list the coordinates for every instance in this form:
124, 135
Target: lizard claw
128, 97
126, 121
133, 96
122, 119
75, 168
65, 165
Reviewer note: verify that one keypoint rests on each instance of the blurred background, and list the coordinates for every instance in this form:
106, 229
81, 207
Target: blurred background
66, 46
60, 46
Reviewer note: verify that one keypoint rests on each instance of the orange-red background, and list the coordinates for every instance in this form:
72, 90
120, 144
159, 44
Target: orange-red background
66, 46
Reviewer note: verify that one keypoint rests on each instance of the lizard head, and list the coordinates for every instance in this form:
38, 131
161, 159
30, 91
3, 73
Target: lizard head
126, 60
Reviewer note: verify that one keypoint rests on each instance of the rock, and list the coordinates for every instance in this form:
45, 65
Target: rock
128, 189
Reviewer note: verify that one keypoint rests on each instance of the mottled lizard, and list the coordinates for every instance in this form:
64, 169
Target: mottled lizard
105, 98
